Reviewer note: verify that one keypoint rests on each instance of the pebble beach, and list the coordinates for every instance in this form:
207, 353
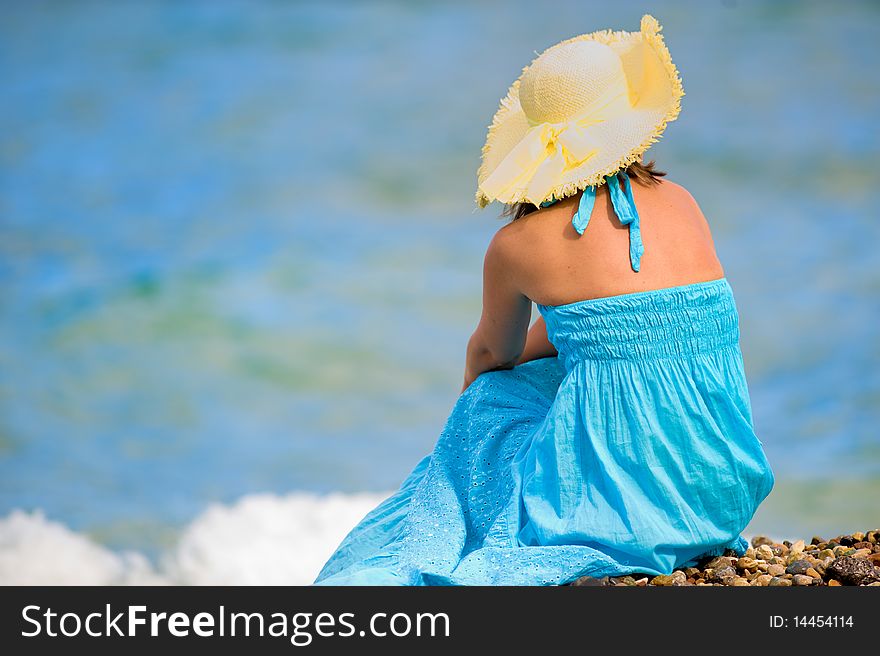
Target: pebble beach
847, 560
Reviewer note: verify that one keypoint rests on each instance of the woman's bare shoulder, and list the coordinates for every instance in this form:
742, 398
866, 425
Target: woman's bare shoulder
675, 192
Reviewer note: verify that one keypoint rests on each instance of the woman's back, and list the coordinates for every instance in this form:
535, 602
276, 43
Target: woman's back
553, 265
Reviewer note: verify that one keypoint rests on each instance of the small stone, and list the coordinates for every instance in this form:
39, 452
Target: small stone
590, 581
763, 580
858, 536
747, 563
875, 558
776, 570
798, 567
861, 553
875, 584
826, 553
778, 582
834, 583
692, 572
802, 579
816, 540
839, 549
863, 545
676, 578
873, 537
764, 552
813, 573
739, 582
721, 574
760, 540
854, 571
797, 547
776, 560
718, 562
642, 582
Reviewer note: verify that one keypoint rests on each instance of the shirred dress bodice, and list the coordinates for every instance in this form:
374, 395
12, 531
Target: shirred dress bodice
665, 323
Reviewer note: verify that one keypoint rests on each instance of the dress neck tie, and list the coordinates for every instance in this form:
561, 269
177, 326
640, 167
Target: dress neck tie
624, 208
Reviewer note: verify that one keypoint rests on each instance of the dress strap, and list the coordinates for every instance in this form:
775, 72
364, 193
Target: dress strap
624, 207
581, 218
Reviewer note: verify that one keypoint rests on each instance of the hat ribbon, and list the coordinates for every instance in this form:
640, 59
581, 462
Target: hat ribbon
547, 151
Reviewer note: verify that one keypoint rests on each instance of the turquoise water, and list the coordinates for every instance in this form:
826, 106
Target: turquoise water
238, 251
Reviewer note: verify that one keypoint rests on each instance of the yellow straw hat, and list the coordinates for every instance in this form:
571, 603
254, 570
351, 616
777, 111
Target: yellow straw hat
582, 110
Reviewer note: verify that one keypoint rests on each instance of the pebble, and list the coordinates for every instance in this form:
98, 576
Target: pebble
802, 579
746, 563
764, 552
676, 578
739, 582
776, 570
590, 582
798, 567
797, 547
718, 563
763, 579
721, 574
778, 582
854, 571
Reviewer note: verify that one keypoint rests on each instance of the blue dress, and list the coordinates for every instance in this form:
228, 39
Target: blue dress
633, 451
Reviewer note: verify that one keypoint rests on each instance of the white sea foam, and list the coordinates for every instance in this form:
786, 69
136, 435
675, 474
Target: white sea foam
262, 539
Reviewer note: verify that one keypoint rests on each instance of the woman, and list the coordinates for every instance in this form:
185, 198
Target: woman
615, 436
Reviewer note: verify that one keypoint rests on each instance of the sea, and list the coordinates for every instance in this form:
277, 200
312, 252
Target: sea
240, 260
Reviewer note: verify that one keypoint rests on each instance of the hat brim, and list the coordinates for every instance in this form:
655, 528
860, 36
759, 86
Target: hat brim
655, 92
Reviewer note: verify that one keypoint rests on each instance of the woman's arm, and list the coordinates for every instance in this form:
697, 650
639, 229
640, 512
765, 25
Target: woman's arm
538, 345
500, 337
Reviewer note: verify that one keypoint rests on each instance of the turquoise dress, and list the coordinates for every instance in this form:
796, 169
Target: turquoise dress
633, 451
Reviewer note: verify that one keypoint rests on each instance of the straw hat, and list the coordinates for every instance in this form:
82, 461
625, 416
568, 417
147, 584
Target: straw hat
582, 110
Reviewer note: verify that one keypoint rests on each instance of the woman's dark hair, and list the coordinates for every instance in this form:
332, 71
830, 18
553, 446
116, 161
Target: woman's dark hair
645, 174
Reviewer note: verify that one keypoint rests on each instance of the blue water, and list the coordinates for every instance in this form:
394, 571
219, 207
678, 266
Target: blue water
238, 250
